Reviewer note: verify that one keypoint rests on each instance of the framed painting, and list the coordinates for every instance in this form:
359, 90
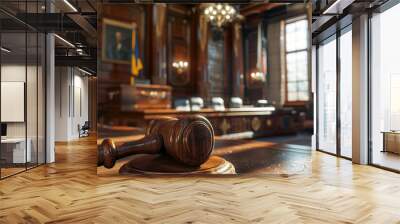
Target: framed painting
117, 41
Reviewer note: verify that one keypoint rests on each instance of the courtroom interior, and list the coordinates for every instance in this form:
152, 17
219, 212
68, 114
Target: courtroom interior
244, 67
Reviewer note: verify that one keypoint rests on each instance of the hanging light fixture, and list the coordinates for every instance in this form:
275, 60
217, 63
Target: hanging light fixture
180, 66
220, 14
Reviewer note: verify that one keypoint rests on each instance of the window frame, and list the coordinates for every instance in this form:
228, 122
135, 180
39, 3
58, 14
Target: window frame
286, 53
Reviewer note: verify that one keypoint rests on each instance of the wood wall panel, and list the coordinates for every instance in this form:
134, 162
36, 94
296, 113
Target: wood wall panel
171, 32
92, 90
202, 54
254, 90
159, 42
227, 63
216, 63
237, 62
179, 47
113, 74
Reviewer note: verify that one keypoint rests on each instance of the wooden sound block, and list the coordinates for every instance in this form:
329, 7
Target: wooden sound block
163, 164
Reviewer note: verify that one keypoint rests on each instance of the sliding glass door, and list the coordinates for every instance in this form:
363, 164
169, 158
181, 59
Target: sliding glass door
334, 100
327, 96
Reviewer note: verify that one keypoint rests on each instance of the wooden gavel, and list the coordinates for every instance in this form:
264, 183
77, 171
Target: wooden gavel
189, 140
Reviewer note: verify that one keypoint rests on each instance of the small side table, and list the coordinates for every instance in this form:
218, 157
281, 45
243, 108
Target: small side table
14, 150
391, 141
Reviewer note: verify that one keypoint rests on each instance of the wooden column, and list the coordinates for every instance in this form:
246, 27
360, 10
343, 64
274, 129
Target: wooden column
92, 86
159, 44
237, 68
202, 72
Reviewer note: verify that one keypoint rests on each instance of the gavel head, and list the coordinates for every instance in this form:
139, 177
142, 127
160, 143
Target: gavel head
107, 153
189, 140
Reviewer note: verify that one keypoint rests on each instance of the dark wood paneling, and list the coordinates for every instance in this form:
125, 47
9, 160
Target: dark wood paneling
253, 92
92, 87
159, 44
202, 57
216, 63
179, 49
253, 88
113, 74
237, 63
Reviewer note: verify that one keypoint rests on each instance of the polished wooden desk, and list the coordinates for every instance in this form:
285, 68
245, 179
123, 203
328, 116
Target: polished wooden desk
249, 121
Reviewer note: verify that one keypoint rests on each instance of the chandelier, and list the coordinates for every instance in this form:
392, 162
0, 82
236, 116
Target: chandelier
220, 14
180, 66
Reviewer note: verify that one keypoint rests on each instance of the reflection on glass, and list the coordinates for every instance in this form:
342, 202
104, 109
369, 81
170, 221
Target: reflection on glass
346, 94
385, 114
327, 97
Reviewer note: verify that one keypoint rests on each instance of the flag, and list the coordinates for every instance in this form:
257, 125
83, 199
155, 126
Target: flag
136, 62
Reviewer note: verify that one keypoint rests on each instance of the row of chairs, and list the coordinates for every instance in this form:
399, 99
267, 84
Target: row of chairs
197, 103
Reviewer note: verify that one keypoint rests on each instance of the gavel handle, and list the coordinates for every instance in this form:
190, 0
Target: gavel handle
108, 154
147, 145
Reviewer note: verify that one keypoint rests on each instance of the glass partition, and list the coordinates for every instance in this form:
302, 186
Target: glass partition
22, 92
327, 96
346, 93
13, 110
385, 89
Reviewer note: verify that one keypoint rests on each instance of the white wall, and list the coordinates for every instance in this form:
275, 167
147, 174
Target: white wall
71, 102
16, 73
33, 127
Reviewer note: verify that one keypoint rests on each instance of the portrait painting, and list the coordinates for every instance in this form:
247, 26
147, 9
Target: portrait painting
117, 41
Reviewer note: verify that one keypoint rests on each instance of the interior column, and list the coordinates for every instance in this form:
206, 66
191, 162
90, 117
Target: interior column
360, 90
238, 73
159, 49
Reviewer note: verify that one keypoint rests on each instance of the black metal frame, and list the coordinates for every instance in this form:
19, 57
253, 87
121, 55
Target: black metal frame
387, 5
26, 31
339, 32
307, 50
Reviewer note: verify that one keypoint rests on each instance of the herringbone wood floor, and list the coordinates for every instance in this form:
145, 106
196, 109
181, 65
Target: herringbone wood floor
71, 192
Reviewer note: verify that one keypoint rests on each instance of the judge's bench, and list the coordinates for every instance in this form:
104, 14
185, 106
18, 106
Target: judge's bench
137, 105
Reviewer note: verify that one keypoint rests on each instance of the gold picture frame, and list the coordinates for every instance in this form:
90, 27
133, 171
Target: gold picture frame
117, 41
